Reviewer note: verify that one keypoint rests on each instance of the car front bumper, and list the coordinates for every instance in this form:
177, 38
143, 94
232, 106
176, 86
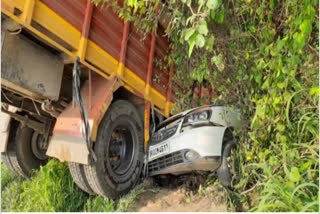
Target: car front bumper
205, 142
176, 163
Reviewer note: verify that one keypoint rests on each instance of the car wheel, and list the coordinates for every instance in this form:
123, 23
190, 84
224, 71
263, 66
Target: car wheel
228, 172
119, 151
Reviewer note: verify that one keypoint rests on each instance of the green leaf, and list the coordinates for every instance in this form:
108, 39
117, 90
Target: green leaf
306, 26
200, 40
203, 28
219, 16
299, 41
213, 4
191, 42
314, 91
294, 174
209, 43
305, 165
188, 33
218, 61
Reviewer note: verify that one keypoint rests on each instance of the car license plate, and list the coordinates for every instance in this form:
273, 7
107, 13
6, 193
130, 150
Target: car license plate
159, 150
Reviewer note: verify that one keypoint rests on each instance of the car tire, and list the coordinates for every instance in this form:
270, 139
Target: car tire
119, 151
79, 177
228, 171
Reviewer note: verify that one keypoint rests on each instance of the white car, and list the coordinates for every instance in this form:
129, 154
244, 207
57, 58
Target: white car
198, 139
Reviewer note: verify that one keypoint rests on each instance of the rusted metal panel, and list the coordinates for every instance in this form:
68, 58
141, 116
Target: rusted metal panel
151, 59
68, 148
68, 131
87, 19
124, 43
106, 30
147, 109
30, 69
71, 10
138, 53
160, 67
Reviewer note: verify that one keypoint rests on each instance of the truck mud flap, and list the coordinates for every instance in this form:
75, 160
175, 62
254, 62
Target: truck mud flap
68, 142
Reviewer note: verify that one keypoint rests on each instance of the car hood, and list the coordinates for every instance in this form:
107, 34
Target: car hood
184, 113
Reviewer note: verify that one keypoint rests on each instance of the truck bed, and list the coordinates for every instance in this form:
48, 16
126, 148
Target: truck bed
104, 43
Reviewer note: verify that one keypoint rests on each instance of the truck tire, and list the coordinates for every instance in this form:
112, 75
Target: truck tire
26, 156
9, 157
119, 151
19, 157
77, 173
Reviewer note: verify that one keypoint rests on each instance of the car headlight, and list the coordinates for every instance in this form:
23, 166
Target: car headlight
198, 116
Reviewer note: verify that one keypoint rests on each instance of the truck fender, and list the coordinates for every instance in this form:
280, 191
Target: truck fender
68, 142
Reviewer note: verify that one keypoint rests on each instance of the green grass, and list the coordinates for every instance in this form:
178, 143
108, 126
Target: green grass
51, 189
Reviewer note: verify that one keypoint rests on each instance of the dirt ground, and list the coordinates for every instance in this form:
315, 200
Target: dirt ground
165, 200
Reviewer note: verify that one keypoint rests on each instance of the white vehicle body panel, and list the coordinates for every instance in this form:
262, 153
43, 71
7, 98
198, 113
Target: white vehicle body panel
202, 137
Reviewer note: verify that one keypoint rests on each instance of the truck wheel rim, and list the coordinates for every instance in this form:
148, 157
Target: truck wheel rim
38, 147
121, 149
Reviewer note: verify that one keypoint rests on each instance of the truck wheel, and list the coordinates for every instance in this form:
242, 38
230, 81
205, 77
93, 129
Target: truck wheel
30, 150
9, 157
119, 151
24, 153
77, 173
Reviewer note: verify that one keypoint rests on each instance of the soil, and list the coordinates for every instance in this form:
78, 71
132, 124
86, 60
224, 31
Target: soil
177, 200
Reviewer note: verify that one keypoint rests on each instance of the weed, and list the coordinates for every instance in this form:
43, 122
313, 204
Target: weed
99, 204
10, 196
129, 199
51, 189
6, 177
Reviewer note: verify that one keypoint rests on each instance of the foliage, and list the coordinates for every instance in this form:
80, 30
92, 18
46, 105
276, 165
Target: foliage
10, 193
99, 204
261, 56
6, 176
50, 190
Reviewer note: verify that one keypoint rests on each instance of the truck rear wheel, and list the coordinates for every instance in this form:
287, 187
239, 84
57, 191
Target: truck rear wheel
9, 157
24, 153
119, 151
77, 173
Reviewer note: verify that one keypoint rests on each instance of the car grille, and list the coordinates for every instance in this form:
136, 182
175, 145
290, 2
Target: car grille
165, 161
163, 135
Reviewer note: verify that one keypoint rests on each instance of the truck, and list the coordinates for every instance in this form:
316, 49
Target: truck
81, 85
